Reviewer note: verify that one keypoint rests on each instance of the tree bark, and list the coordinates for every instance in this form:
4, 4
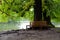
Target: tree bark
38, 14
38, 10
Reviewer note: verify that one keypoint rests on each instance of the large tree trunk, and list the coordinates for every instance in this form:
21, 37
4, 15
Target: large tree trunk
38, 10
47, 18
38, 16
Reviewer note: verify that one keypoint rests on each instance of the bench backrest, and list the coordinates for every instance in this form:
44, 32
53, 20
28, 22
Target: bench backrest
38, 23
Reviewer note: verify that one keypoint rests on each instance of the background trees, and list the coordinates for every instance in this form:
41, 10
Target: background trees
15, 9
53, 9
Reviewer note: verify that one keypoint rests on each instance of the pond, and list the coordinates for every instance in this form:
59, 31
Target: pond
14, 25
18, 25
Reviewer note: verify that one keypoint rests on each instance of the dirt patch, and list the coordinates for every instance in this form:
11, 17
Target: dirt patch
31, 34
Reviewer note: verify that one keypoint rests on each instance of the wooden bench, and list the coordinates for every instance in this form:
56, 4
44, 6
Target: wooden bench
39, 24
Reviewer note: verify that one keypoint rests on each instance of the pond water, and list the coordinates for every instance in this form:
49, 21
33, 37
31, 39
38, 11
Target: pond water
18, 25
57, 24
8, 26
22, 24
14, 25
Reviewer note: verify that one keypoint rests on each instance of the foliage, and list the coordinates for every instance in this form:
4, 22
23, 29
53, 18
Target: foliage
17, 9
53, 9
14, 9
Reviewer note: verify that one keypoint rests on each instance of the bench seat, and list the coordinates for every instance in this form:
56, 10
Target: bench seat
39, 24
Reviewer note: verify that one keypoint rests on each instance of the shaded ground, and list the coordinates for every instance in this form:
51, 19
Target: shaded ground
53, 34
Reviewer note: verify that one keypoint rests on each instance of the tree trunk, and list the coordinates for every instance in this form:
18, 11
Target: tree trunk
38, 10
38, 14
47, 18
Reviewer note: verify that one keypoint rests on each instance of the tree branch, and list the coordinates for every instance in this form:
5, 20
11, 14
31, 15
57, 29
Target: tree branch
25, 10
12, 2
4, 12
5, 1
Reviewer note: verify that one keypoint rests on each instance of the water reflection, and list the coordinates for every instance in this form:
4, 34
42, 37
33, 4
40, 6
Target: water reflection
8, 26
14, 25
23, 23
19, 25
57, 24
